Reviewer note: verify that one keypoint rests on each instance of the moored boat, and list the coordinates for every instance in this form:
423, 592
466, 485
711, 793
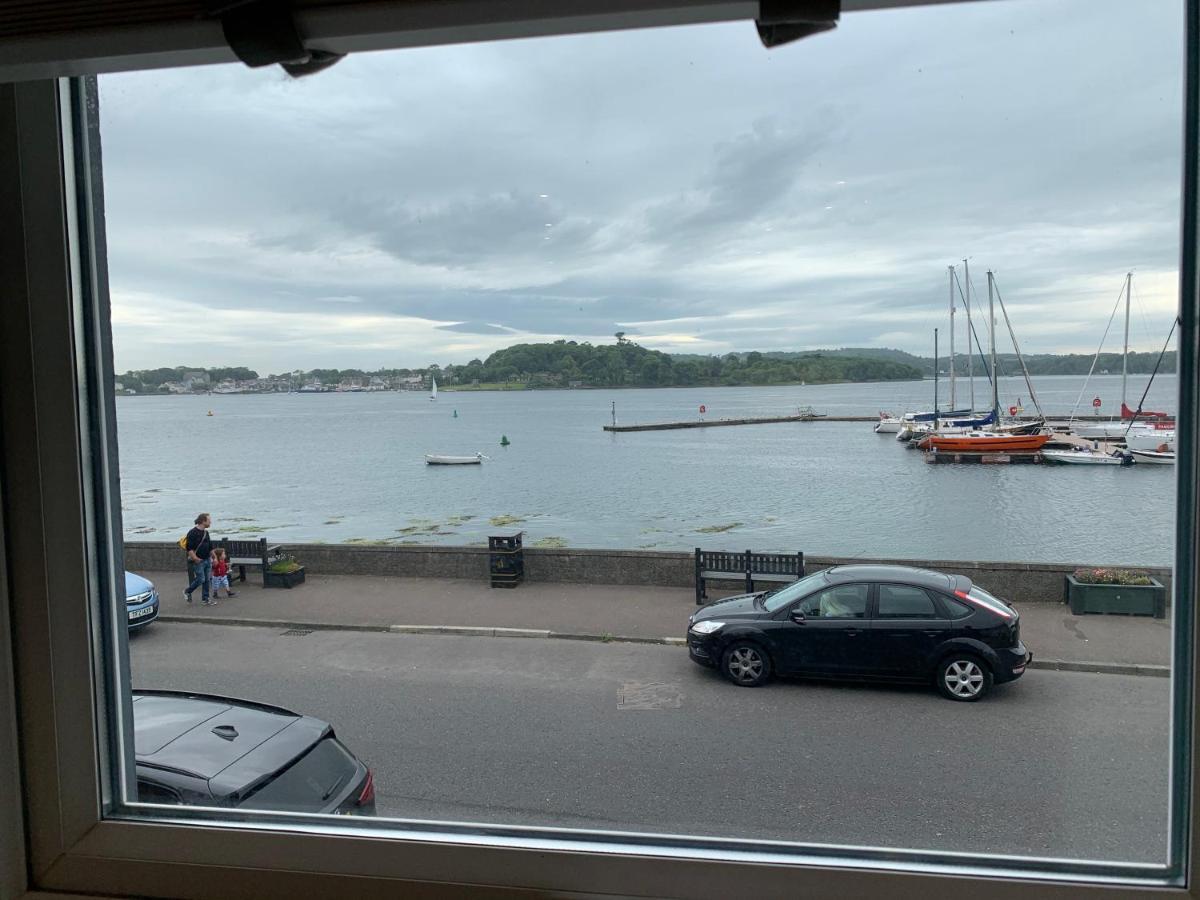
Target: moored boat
983, 442
435, 459
1086, 456
1153, 439
1155, 457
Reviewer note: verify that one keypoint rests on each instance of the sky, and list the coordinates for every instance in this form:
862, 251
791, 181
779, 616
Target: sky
684, 185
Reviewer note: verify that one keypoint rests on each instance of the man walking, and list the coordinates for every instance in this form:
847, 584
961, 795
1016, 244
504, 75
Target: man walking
199, 556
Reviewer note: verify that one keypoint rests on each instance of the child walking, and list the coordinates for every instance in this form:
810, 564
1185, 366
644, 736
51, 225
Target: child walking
220, 574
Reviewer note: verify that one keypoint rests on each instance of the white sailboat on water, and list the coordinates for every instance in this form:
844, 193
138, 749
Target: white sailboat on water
433, 389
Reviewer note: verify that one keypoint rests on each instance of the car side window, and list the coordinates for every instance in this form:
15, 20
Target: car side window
845, 601
902, 601
149, 792
954, 608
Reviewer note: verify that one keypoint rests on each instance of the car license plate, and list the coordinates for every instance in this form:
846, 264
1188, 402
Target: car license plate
141, 613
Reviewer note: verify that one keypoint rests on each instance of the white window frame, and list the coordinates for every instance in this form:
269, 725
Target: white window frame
56, 484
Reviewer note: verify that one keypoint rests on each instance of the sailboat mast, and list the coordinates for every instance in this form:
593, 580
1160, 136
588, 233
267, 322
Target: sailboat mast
1125, 354
935, 380
952, 393
970, 350
992, 348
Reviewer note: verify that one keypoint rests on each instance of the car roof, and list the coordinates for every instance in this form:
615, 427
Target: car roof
898, 574
204, 735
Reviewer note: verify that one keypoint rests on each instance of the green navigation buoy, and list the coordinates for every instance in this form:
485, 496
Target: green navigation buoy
504, 441
456, 414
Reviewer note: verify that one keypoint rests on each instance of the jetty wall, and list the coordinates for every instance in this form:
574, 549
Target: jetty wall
1019, 582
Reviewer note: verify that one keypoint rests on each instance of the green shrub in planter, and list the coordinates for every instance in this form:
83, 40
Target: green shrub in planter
1115, 591
285, 572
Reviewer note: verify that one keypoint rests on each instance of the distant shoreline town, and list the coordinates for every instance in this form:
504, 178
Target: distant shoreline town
579, 365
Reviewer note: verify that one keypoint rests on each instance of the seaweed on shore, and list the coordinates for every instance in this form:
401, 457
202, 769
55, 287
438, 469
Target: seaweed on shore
716, 529
550, 543
506, 520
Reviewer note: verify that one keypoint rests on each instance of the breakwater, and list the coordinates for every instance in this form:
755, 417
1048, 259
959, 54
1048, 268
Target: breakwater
1016, 581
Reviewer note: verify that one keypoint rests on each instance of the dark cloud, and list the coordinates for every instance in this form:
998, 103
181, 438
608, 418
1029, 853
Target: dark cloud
683, 185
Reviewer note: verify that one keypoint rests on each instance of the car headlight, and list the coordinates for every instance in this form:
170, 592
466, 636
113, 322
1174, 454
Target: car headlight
707, 626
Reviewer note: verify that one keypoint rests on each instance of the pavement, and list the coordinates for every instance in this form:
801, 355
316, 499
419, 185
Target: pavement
1131, 645
636, 737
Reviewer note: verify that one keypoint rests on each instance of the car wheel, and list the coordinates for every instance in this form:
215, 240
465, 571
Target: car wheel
964, 677
746, 664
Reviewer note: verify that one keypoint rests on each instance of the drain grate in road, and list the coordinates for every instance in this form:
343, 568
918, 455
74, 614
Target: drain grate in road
296, 632
649, 695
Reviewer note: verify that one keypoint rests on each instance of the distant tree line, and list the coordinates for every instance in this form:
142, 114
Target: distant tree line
566, 363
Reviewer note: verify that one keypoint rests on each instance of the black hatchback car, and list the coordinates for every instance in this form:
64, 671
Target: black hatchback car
202, 750
865, 622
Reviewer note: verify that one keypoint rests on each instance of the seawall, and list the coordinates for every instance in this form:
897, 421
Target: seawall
1016, 581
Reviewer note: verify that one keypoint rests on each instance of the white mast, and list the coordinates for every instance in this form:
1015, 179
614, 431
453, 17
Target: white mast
1125, 354
992, 348
970, 336
952, 395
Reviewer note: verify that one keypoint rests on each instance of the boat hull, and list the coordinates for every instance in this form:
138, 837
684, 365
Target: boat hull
1154, 457
984, 443
1084, 458
453, 460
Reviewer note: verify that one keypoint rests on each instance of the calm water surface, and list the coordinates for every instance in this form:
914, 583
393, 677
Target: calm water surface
350, 467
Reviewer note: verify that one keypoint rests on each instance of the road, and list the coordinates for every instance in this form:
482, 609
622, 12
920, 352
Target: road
636, 737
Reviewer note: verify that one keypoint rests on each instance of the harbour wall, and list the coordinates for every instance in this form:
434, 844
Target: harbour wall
1015, 581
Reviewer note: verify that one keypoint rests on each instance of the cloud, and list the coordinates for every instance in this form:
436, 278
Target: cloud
683, 185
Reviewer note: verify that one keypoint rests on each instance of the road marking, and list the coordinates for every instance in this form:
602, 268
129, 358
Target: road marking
649, 695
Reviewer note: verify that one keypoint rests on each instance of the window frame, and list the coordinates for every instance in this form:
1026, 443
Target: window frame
57, 482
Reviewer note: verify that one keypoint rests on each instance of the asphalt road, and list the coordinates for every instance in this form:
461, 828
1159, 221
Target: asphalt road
636, 737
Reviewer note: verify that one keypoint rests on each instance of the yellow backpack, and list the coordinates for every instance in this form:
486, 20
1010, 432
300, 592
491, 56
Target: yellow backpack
183, 542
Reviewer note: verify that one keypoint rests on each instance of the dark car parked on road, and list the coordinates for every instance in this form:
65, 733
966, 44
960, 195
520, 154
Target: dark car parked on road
865, 622
201, 750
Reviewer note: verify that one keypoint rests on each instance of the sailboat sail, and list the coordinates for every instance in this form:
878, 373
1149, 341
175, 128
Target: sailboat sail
433, 390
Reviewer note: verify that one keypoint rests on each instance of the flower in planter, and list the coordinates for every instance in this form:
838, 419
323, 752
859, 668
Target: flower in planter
1111, 576
284, 565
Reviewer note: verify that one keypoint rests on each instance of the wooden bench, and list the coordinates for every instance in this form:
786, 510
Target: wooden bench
721, 564
249, 553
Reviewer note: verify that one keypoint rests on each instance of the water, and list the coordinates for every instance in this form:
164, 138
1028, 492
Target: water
350, 467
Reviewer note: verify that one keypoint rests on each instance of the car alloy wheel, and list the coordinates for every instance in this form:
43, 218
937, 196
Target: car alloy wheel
964, 678
746, 664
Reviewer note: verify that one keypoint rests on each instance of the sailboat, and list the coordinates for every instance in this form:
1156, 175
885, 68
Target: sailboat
989, 441
1129, 422
433, 389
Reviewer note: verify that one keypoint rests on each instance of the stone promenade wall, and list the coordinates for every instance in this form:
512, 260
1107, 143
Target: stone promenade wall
1015, 581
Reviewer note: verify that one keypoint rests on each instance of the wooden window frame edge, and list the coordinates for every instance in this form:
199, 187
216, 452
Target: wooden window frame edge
50, 357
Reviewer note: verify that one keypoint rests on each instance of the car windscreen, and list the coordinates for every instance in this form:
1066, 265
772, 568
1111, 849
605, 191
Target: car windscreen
310, 783
794, 591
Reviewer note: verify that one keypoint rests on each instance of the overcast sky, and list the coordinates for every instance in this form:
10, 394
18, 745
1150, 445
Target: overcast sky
683, 185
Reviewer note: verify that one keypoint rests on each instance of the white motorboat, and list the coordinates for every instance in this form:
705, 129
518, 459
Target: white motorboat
1086, 456
435, 459
889, 425
1152, 439
1155, 457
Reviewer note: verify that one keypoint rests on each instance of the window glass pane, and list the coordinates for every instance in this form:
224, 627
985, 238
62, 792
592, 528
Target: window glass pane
897, 601
846, 601
602, 340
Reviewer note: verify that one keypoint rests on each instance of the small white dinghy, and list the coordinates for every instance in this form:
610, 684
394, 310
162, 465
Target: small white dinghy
1087, 457
434, 459
1155, 457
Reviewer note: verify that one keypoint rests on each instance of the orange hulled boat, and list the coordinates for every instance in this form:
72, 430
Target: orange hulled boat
984, 442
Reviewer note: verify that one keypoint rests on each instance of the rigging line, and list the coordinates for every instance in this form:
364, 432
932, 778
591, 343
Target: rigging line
1096, 358
974, 334
1157, 363
1012, 334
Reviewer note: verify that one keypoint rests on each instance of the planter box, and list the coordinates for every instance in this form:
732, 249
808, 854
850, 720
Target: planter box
1129, 599
283, 579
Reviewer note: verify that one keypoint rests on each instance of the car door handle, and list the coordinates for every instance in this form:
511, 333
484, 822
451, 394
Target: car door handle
932, 632
852, 632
